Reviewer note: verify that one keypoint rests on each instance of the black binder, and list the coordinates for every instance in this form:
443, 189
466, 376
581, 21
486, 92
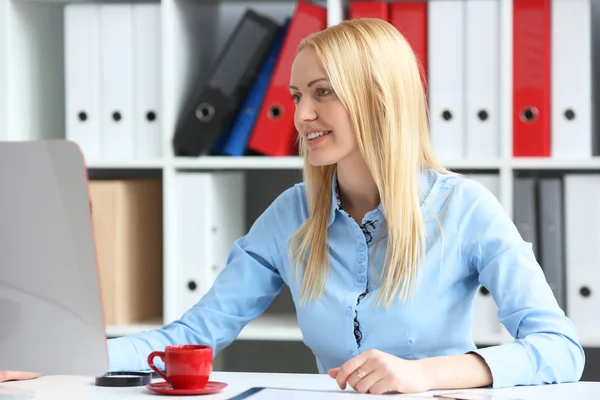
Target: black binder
220, 98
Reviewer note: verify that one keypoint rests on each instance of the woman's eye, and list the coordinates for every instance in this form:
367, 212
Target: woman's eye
323, 92
296, 98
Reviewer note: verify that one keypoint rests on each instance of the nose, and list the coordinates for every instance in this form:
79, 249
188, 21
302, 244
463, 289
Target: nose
305, 110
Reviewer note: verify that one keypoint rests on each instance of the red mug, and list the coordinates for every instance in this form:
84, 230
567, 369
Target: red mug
188, 366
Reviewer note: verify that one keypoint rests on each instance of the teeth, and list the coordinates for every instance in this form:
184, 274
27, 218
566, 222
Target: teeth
314, 135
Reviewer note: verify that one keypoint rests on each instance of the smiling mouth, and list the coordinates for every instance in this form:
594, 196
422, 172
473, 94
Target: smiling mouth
315, 135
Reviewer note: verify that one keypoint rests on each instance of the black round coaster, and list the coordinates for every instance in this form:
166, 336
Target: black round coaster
124, 379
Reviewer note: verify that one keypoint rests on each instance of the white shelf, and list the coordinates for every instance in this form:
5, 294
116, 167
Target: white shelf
295, 162
245, 162
272, 327
266, 327
125, 164
131, 329
285, 328
500, 338
553, 163
592, 340
473, 164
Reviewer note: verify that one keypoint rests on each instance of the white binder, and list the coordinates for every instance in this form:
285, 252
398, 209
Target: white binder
446, 43
571, 79
147, 111
116, 106
482, 79
211, 216
582, 236
82, 77
486, 326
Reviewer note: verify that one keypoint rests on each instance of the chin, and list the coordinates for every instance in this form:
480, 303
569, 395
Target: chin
321, 160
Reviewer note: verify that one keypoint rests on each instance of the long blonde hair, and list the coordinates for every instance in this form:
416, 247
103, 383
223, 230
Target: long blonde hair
377, 77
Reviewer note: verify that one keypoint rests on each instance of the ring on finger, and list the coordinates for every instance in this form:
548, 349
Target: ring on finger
360, 373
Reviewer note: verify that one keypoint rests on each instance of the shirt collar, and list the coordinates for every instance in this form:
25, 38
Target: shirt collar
424, 182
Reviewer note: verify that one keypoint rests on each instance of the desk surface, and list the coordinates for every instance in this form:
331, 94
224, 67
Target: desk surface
78, 387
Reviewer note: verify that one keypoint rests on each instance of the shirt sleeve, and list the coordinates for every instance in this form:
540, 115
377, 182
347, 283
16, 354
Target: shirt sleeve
546, 347
242, 291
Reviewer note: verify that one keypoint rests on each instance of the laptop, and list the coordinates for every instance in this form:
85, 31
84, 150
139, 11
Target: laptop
51, 318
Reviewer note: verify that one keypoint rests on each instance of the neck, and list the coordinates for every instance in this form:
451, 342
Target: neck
357, 188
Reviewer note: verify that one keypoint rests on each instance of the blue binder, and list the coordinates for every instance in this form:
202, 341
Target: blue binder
233, 143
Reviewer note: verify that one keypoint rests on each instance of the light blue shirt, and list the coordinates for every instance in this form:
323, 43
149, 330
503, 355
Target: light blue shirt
479, 245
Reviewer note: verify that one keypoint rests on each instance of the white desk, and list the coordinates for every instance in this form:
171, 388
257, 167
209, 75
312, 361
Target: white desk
83, 388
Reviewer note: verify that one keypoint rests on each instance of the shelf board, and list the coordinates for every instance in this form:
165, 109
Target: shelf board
292, 162
244, 162
295, 162
272, 327
125, 164
555, 163
131, 329
494, 339
266, 327
472, 164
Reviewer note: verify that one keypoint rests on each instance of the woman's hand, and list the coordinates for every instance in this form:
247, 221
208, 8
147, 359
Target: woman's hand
377, 372
17, 375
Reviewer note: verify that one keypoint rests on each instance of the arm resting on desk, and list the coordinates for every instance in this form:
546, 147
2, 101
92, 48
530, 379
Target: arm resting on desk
457, 372
546, 349
242, 292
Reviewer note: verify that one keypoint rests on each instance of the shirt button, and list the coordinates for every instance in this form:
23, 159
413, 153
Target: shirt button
362, 279
361, 258
361, 247
352, 353
361, 270
349, 311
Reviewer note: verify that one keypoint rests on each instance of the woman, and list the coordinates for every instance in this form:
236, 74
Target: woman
382, 248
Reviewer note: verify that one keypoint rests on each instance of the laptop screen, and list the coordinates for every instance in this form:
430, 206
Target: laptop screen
51, 318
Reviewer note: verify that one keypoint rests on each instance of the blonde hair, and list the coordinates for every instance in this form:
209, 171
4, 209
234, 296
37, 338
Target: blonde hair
375, 74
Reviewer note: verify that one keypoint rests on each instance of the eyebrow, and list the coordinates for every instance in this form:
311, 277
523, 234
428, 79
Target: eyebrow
311, 82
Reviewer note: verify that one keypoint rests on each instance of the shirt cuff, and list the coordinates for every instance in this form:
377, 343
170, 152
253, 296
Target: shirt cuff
123, 356
509, 364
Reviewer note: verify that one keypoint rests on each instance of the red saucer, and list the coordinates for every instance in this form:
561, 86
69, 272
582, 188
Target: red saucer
165, 388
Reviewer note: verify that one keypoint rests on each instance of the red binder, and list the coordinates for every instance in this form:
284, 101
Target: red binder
410, 18
531, 78
274, 133
368, 9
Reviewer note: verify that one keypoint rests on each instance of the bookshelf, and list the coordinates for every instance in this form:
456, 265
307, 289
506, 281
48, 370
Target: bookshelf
32, 107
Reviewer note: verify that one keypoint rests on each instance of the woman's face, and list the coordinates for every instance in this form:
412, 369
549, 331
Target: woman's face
322, 121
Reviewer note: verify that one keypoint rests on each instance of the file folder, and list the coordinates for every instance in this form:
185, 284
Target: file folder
211, 215
531, 78
482, 79
446, 41
234, 143
82, 78
552, 251
582, 233
213, 111
571, 79
410, 18
368, 9
486, 326
525, 215
147, 89
274, 133
116, 80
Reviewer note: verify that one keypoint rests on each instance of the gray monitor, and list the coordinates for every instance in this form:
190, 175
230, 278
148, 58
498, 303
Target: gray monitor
51, 318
